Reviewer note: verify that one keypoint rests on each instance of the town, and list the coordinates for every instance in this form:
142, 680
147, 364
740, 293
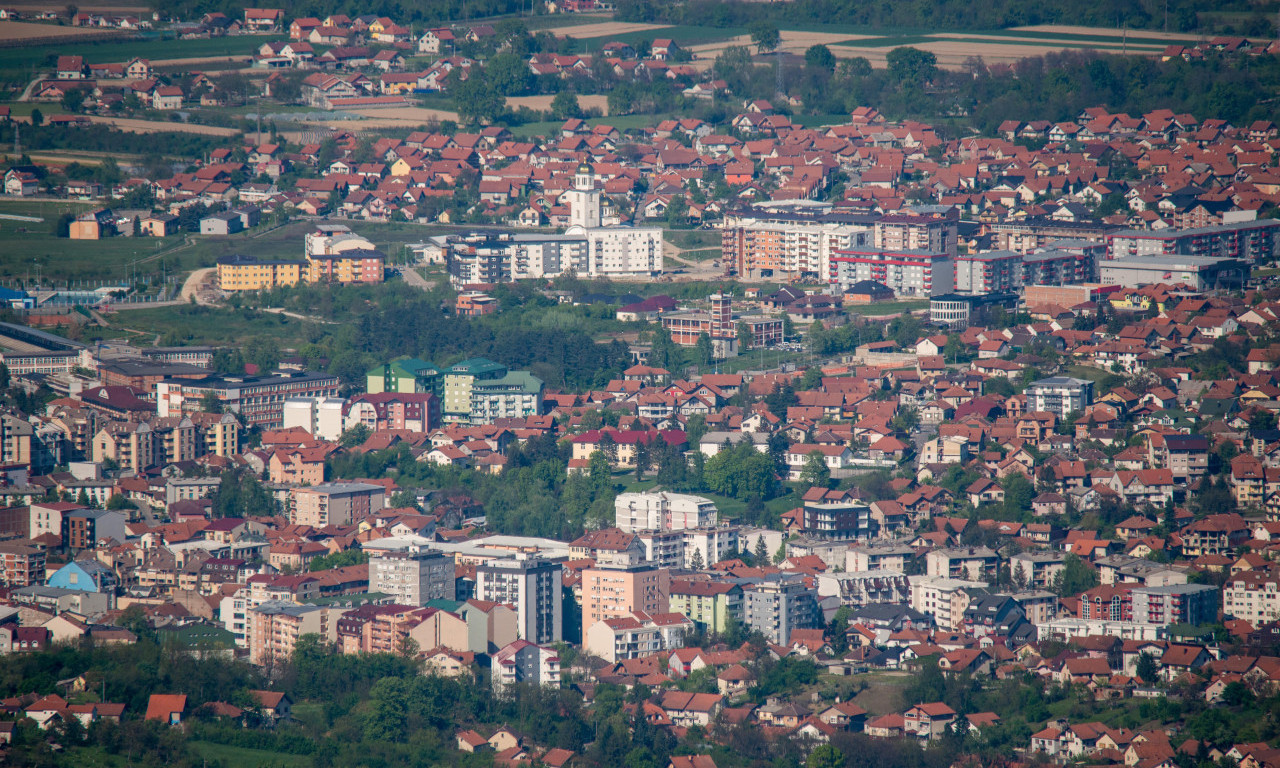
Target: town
571, 389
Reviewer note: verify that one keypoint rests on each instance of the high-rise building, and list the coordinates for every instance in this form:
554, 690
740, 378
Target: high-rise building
610, 592
414, 576
533, 587
663, 511
780, 603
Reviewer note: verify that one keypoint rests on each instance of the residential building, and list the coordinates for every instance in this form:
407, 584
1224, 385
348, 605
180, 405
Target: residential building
258, 399
1253, 596
414, 575
525, 662
1060, 395
335, 503
244, 273
636, 636
663, 511
533, 587
321, 417
711, 605
516, 395
1191, 604
720, 325
21, 565
908, 273
275, 626
778, 604
610, 592
945, 599
975, 563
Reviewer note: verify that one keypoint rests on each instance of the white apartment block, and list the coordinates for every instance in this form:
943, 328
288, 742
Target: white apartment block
943, 598
662, 511
533, 587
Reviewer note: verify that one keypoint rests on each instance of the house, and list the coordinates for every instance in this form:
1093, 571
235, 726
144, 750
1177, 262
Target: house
166, 708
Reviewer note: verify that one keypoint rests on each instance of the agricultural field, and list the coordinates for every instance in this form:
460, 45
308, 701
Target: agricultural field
17, 31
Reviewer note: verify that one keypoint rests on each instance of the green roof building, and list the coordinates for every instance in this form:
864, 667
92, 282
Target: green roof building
405, 376
458, 381
514, 396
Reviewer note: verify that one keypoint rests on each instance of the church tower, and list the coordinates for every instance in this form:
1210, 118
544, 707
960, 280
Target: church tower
584, 199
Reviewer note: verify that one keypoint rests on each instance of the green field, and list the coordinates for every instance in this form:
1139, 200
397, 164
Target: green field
882, 308
684, 35
243, 757
189, 324
692, 238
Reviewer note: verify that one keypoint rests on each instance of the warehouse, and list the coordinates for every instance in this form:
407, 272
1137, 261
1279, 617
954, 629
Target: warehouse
1201, 273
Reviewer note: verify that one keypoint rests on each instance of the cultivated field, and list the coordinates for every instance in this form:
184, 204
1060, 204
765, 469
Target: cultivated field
19, 30
792, 42
1063, 29
602, 29
598, 101
156, 126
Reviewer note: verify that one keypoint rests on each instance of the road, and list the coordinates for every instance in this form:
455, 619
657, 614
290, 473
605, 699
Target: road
413, 277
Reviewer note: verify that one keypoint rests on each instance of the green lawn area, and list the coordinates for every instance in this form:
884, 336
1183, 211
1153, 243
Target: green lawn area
1096, 375
243, 757
61, 259
702, 254
888, 307
190, 324
692, 238
684, 35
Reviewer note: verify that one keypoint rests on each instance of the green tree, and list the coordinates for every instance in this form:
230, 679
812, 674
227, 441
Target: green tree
695, 562
825, 756
477, 100
765, 36
706, 354
677, 212
1075, 577
744, 337
912, 67
820, 56
741, 472
1148, 668
565, 105
37, 117
761, 552
354, 436
210, 402
815, 470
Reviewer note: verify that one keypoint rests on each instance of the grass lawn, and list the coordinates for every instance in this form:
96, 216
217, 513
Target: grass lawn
684, 35
189, 324
243, 757
883, 693
702, 254
17, 64
888, 307
1088, 372
692, 238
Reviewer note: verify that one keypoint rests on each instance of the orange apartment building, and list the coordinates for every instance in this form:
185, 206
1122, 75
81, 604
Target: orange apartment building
376, 628
23, 565
275, 626
611, 592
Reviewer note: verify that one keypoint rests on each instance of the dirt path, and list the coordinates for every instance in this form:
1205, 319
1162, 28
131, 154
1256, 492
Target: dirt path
200, 285
603, 29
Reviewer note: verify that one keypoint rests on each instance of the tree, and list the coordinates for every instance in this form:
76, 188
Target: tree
744, 337
706, 353
765, 36
677, 213
820, 56
118, 503
1075, 577
37, 117
565, 105
912, 67
825, 756
477, 100
815, 472
741, 472
211, 403
354, 436
761, 552
695, 562
1148, 669
642, 459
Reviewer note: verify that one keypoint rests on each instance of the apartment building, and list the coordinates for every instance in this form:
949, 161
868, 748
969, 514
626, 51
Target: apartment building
711, 605
514, 396
1249, 241
1059, 395
258, 399
1191, 604
945, 599
1253, 596
414, 412
21, 565
962, 562
335, 503
884, 557
414, 576
525, 662
376, 628
779, 604
244, 273
131, 445
533, 587
908, 273
274, 627
610, 592
663, 511
636, 636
